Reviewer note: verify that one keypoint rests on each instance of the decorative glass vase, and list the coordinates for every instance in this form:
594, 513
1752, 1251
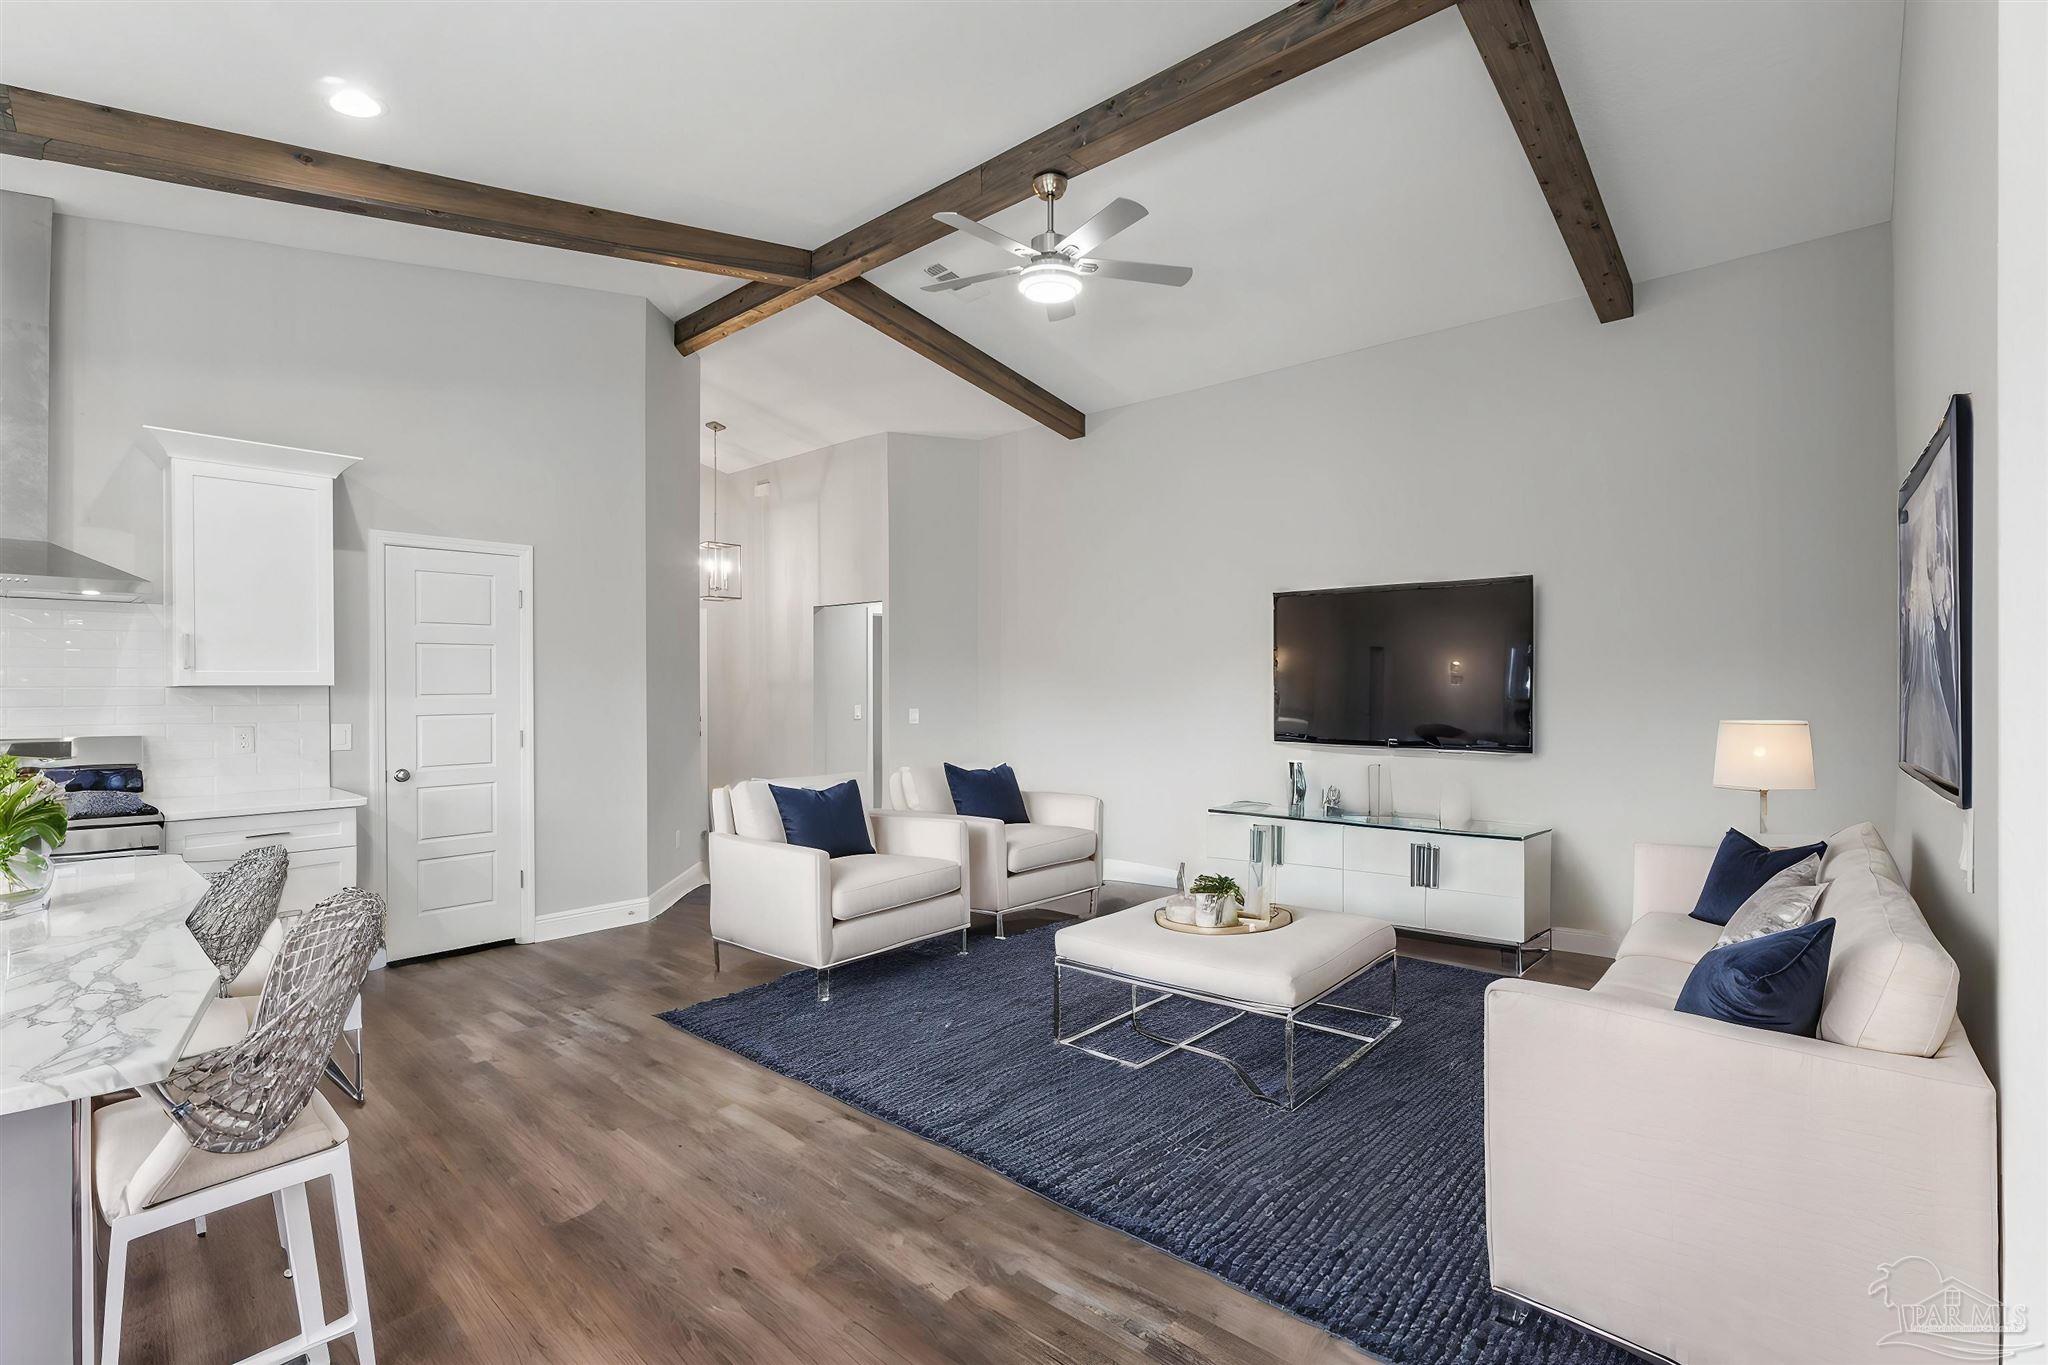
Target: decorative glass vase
25, 879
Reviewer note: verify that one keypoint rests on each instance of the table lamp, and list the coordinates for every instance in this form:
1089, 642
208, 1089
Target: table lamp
1764, 756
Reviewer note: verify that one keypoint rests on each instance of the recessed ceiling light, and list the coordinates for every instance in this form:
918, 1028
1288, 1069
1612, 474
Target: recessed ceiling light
351, 100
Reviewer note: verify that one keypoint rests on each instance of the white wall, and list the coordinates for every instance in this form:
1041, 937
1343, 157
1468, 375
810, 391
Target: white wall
1945, 292
1704, 494
482, 407
2022, 804
676, 793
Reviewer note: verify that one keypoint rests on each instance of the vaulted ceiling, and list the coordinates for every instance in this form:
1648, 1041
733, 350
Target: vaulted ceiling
1381, 196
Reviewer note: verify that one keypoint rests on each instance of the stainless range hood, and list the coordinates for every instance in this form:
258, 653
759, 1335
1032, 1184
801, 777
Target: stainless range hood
30, 566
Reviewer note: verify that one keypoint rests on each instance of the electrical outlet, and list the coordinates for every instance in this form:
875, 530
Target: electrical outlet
856, 711
244, 737
341, 737
913, 715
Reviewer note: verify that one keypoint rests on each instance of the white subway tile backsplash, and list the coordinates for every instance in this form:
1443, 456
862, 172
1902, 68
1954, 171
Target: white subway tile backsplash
104, 668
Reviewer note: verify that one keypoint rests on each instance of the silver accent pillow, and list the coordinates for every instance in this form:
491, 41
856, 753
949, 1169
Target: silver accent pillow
1786, 901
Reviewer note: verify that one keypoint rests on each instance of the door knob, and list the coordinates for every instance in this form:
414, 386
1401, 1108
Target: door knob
402, 775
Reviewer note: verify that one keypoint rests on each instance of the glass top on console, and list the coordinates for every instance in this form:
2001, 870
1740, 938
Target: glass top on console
1414, 824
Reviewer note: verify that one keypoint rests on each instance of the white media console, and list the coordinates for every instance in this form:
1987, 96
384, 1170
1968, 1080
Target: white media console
1484, 882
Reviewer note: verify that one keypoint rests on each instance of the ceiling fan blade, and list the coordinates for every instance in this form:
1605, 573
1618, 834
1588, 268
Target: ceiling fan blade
1144, 272
961, 223
1059, 312
944, 285
1118, 215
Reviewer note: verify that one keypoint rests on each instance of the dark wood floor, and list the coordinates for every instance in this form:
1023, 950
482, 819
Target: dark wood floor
547, 1172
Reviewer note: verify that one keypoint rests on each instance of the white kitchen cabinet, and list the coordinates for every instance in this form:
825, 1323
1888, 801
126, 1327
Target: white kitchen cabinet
249, 549
321, 845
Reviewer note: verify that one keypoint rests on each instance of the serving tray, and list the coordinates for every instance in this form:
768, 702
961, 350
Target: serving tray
1280, 919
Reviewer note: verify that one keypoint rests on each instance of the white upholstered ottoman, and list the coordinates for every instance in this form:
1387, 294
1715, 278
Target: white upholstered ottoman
1281, 974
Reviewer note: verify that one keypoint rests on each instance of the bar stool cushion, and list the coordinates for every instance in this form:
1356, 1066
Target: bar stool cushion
140, 1158
1282, 969
225, 1023
250, 982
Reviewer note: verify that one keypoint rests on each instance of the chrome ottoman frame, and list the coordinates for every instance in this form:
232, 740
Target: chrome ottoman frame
1292, 1097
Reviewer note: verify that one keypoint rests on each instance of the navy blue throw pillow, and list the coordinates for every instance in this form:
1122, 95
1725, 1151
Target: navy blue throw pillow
988, 792
1741, 865
1774, 982
829, 818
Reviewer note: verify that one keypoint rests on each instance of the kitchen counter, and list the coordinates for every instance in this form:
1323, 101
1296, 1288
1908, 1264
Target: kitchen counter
109, 997
256, 803
102, 990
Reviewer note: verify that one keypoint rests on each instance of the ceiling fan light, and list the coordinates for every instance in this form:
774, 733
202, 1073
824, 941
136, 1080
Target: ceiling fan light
1049, 283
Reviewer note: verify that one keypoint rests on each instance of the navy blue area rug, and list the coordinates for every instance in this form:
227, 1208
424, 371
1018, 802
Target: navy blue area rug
1362, 1212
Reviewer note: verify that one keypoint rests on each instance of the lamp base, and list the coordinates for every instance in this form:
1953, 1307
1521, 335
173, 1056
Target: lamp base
1763, 813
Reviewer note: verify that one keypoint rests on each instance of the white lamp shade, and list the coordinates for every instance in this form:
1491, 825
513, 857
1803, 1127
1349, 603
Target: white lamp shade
1764, 755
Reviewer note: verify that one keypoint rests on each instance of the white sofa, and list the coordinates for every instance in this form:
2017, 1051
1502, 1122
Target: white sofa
1718, 1194
1011, 868
777, 898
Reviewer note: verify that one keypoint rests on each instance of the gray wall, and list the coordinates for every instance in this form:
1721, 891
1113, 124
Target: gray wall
1945, 291
1704, 494
481, 407
675, 749
892, 518
933, 622
819, 537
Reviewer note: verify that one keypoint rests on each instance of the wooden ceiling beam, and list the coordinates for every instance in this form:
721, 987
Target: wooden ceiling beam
900, 322
53, 128
1511, 44
1274, 50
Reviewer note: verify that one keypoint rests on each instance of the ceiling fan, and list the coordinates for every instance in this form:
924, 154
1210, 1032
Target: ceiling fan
1055, 266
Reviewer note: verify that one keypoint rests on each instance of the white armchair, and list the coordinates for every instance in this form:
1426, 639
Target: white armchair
782, 900
1011, 868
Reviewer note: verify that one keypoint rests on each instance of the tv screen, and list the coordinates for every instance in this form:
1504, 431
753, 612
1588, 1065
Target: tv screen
1414, 665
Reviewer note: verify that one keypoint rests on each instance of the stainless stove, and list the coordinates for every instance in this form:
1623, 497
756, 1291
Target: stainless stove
103, 775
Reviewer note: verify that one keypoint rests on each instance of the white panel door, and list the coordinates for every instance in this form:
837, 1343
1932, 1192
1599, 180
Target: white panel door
451, 779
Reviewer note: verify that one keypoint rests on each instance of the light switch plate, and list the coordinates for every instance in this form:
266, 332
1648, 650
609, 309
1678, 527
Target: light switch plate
341, 737
913, 715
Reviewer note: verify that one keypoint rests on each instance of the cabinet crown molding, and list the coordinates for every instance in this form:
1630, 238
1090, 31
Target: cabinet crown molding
168, 443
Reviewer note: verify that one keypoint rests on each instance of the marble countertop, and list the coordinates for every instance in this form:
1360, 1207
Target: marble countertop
256, 803
103, 988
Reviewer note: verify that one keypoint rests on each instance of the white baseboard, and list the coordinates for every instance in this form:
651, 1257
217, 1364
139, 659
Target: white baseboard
677, 887
1118, 870
1588, 941
588, 919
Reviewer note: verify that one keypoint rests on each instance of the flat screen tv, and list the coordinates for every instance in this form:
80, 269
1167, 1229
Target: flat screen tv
1411, 665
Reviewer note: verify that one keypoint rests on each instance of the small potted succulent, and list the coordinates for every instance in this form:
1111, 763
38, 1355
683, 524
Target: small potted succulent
32, 824
1218, 900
